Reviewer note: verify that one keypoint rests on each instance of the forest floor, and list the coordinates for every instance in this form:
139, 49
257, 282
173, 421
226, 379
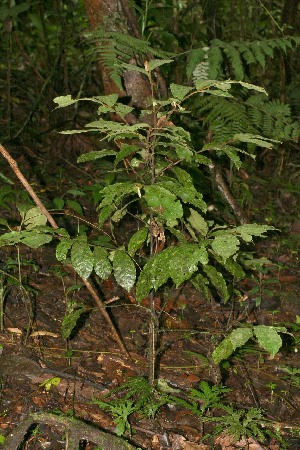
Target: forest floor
36, 303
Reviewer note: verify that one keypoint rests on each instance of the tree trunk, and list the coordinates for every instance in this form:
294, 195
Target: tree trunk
116, 15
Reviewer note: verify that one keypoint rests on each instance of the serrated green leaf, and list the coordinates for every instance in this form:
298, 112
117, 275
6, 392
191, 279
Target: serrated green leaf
64, 100
249, 230
179, 91
91, 156
253, 86
62, 249
4, 223
137, 240
225, 245
164, 203
154, 63
109, 100
233, 267
58, 202
102, 264
237, 338
123, 110
69, 322
268, 338
124, 270
125, 151
201, 284
198, 222
223, 351
255, 139
82, 258
76, 206
217, 280
34, 217
35, 240
10, 238
184, 260
178, 263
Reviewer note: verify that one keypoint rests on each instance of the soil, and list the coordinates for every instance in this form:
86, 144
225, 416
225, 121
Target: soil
91, 364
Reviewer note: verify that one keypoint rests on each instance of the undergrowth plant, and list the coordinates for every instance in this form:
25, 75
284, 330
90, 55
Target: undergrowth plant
172, 239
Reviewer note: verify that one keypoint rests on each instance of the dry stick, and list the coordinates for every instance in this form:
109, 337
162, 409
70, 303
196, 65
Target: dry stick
13, 164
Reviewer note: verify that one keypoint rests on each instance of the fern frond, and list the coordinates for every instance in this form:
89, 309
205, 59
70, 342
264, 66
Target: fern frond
115, 49
195, 57
258, 53
234, 57
215, 59
235, 54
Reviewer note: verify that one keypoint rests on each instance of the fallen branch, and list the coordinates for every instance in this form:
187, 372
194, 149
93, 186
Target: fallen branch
13, 164
74, 429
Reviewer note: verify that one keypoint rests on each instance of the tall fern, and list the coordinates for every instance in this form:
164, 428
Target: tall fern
237, 55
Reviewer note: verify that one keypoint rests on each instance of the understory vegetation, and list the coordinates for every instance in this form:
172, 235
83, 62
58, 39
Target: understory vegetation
195, 122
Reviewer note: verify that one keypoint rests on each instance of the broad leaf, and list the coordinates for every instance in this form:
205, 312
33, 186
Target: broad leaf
154, 63
137, 240
253, 229
124, 270
179, 91
268, 337
225, 245
237, 338
184, 260
62, 249
35, 240
164, 203
178, 263
217, 280
125, 151
69, 322
102, 264
64, 100
198, 222
91, 156
82, 258
34, 217
154, 274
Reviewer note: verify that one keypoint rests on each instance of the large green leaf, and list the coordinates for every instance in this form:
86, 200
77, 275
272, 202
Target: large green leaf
179, 91
82, 258
225, 245
137, 240
237, 338
62, 249
70, 320
125, 151
35, 240
217, 280
91, 156
184, 260
10, 238
198, 222
102, 264
268, 337
124, 270
247, 231
164, 203
34, 217
178, 263
154, 274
